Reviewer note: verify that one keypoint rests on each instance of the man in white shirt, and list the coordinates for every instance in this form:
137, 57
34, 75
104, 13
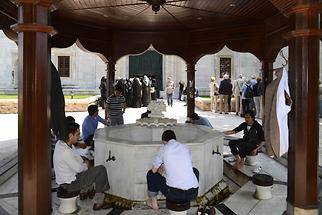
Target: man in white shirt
172, 173
73, 173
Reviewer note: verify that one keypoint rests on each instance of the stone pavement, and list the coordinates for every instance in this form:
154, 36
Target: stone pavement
241, 202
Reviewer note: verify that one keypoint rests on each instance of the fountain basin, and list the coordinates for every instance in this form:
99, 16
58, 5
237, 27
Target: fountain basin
134, 148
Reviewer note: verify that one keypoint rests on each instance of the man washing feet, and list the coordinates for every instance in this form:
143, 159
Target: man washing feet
73, 173
252, 140
172, 173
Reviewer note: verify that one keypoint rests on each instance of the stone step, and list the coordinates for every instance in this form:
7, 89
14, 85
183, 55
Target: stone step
8, 167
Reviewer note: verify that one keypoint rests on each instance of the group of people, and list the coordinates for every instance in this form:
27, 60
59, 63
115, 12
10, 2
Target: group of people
137, 91
247, 93
172, 172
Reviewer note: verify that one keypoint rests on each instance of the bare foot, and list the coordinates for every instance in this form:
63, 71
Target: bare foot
152, 203
239, 164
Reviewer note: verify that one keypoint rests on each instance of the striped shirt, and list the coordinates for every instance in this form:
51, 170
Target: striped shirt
116, 104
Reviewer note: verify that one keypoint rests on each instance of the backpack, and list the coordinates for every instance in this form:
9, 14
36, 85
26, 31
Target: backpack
257, 88
249, 92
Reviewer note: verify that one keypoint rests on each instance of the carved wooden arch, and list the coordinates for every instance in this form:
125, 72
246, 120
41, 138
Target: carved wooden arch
152, 48
99, 54
169, 43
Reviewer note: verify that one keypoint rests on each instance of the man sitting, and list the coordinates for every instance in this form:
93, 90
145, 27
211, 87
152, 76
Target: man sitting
252, 140
90, 123
180, 180
199, 120
73, 173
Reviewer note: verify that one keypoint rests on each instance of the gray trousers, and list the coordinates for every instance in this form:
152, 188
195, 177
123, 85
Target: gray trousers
117, 120
97, 175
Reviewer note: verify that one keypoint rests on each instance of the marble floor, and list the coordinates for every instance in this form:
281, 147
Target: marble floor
241, 202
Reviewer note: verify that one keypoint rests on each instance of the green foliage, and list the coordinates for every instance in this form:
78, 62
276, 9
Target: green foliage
76, 96
8, 96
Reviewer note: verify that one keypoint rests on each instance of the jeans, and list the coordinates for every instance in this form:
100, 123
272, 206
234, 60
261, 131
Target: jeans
157, 182
169, 98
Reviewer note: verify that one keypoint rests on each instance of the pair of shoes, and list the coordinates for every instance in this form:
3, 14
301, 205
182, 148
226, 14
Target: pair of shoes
226, 113
83, 196
220, 112
91, 193
104, 205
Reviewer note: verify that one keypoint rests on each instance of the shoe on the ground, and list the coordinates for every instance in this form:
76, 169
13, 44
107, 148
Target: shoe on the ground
226, 112
83, 196
89, 194
220, 112
104, 205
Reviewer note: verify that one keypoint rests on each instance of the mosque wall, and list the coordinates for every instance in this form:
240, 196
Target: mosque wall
86, 69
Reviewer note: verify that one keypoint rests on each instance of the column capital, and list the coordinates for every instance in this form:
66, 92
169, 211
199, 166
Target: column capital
44, 3
36, 27
306, 21
305, 8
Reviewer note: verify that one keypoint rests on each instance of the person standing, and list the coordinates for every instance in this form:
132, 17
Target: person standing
116, 107
213, 89
225, 90
103, 91
258, 92
237, 86
73, 173
169, 91
180, 180
90, 123
181, 85
247, 96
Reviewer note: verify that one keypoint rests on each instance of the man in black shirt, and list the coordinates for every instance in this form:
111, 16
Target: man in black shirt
252, 140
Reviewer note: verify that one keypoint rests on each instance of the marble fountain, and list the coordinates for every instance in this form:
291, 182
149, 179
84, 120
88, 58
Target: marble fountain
127, 152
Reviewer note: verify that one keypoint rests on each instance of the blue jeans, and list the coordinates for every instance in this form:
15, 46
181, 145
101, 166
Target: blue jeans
157, 182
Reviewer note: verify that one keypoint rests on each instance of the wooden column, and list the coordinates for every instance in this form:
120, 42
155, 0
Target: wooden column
111, 76
190, 88
34, 175
267, 76
304, 116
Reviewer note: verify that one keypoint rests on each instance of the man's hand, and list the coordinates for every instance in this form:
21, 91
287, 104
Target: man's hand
161, 170
229, 132
87, 163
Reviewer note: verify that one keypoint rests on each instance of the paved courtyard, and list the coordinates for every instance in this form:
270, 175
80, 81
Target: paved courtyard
241, 202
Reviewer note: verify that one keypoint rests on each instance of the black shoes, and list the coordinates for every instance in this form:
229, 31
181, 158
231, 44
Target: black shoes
104, 205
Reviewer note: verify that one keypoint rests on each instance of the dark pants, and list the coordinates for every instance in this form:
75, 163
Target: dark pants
241, 147
246, 104
169, 99
157, 182
180, 95
97, 175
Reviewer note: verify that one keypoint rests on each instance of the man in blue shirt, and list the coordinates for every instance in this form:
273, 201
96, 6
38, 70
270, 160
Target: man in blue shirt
90, 123
199, 120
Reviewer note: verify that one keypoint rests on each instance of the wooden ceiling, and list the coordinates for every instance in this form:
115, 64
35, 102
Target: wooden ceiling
173, 14
187, 28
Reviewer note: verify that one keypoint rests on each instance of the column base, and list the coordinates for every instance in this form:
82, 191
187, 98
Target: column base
292, 210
